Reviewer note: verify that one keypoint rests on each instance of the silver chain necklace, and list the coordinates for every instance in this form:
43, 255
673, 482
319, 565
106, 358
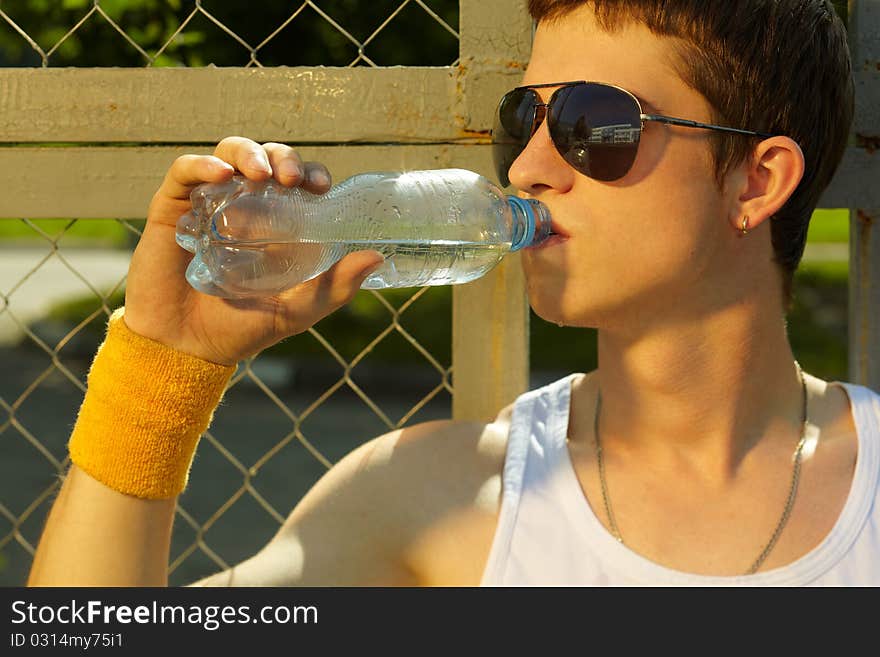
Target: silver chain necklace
789, 503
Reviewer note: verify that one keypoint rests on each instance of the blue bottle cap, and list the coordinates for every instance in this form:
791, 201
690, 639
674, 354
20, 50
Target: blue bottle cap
534, 217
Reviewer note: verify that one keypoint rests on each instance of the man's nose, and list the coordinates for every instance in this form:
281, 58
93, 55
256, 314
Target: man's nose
540, 166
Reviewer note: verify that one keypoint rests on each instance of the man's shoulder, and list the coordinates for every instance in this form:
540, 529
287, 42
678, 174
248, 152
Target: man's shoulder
364, 520
444, 454
387, 511
451, 474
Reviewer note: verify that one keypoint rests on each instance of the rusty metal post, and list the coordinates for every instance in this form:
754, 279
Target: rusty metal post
490, 317
864, 276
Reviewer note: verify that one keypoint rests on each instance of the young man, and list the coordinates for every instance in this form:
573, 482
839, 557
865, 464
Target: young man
697, 453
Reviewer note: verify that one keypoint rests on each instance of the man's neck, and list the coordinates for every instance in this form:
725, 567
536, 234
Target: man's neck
708, 391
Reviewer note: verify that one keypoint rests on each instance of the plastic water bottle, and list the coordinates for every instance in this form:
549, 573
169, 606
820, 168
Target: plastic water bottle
436, 227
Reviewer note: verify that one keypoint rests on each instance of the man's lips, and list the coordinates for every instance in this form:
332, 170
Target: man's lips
556, 229
552, 239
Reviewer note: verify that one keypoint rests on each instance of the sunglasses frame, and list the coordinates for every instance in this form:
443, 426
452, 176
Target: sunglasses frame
541, 111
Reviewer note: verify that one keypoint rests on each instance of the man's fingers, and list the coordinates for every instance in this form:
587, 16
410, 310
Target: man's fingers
246, 156
187, 171
255, 161
317, 178
287, 167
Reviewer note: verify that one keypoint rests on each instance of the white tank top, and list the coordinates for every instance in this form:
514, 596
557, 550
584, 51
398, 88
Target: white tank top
548, 535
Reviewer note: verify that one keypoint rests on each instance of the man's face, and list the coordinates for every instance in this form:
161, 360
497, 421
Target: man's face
653, 243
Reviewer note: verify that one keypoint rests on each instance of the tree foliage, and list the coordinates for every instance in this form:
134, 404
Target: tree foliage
173, 33
226, 33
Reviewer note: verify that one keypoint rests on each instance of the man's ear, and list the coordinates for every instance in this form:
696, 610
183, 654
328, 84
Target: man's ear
768, 180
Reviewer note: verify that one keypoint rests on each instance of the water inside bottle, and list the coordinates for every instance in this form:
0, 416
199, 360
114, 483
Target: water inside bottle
437, 262
260, 266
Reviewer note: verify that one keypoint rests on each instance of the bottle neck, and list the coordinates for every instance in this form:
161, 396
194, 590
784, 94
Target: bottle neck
531, 222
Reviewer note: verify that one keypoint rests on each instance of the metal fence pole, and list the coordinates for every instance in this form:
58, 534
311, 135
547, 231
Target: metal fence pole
490, 345
864, 278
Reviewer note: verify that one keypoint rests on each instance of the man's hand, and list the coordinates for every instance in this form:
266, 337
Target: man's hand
161, 305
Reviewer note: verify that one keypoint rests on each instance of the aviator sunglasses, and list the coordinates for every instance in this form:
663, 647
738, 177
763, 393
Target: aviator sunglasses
595, 127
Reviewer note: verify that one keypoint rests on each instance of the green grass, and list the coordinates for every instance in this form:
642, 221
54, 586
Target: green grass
829, 226
825, 226
80, 232
835, 272
818, 321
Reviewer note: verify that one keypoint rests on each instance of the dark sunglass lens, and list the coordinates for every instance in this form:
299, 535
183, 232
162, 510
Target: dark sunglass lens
596, 128
512, 131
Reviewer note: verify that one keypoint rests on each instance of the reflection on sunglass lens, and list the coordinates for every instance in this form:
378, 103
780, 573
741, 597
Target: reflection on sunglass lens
516, 114
512, 131
596, 129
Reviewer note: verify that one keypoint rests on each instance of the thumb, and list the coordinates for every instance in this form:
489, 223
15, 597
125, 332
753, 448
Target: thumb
358, 265
308, 302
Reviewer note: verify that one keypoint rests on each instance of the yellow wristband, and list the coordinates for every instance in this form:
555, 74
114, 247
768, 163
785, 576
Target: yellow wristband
144, 410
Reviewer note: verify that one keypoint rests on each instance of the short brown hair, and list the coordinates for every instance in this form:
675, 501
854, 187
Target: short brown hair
776, 66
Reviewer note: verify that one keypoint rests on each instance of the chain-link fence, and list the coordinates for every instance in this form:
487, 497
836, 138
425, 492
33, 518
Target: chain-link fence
286, 418
289, 413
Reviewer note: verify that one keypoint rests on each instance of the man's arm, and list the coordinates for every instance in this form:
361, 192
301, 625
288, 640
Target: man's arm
96, 536
353, 528
370, 519
111, 523
350, 529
